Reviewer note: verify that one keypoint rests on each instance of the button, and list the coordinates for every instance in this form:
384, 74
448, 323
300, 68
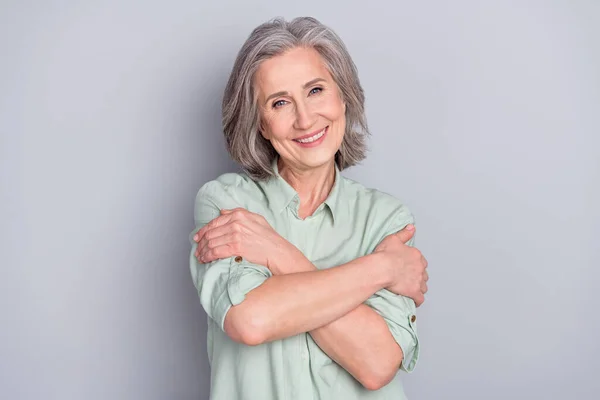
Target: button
413, 318
238, 259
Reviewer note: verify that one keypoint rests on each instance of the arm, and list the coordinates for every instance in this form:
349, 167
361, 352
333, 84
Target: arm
286, 305
253, 322
253, 307
378, 337
362, 344
384, 322
344, 339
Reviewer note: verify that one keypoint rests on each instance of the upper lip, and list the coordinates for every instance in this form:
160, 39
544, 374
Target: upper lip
310, 134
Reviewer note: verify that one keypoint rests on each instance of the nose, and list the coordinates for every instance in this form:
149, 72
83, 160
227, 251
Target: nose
305, 117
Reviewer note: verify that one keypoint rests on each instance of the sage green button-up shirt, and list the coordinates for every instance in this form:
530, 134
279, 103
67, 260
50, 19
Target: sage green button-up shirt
351, 222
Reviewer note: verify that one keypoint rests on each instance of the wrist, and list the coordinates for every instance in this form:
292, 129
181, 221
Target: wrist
380, 269
288, 259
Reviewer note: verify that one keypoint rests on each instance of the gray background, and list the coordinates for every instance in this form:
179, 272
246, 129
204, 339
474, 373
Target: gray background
485, 120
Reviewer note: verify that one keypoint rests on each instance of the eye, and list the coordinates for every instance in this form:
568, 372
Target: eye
315, 90
278, 103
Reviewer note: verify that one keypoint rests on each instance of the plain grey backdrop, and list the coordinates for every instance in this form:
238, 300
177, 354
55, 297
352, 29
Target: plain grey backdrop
485, 119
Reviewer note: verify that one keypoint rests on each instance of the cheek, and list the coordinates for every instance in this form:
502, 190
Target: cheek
338, 114
341, 123
275, 126
334, 108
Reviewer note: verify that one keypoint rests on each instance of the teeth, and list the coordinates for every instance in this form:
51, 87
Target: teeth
312, 138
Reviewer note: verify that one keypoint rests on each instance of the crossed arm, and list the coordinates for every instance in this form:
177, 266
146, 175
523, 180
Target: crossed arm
344, 339
299, 298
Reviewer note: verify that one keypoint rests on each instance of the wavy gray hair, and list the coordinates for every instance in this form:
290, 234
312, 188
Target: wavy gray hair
240, 111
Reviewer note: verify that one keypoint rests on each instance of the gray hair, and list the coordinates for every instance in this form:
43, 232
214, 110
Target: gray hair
240, 113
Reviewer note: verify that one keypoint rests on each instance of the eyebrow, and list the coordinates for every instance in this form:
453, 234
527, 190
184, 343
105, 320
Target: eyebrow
284, 93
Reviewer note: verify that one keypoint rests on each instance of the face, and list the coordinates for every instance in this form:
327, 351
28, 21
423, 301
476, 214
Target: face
302, 113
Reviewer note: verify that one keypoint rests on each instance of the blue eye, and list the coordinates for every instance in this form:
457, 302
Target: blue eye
278, 103
315, 90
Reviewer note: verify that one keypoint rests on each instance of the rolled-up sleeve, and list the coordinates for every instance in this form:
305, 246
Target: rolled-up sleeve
400, 317
399, 312
223, 283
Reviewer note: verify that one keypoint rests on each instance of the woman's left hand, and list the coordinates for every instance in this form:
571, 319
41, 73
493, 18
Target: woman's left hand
239, 232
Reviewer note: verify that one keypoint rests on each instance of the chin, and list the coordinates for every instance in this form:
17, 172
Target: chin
309, 158
318, 160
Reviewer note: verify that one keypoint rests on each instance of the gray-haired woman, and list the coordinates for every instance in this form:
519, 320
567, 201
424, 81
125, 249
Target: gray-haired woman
309, 279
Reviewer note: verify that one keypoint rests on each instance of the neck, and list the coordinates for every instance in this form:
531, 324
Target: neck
312, 185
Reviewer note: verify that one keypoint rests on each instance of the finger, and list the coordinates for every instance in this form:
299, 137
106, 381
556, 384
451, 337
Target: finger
203, 247
230, 210
419, 299
216, 232
204, 242
218, 253
424, 261
407, 233
230, 226
425, 276
216, 222
240, 213
424, 288
225, 239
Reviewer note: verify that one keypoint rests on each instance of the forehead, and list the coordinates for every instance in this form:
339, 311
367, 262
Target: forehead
289, 71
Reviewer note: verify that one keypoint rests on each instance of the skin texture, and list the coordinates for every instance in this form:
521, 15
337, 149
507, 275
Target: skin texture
303, 109
297, 97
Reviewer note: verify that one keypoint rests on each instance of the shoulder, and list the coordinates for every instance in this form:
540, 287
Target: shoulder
383, 212
379, 204
227, 191
225, 185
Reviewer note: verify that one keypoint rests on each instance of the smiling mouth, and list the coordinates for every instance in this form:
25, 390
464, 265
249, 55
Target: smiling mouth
312, 138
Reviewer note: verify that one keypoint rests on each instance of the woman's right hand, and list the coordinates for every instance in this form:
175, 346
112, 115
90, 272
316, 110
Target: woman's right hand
405, 265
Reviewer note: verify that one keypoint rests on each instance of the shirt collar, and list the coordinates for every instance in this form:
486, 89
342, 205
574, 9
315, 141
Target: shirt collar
280, 194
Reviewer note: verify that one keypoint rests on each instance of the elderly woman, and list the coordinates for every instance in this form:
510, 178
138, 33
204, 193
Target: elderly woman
309, 279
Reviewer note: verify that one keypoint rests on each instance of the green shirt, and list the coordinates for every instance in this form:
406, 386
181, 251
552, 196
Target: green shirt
351, 222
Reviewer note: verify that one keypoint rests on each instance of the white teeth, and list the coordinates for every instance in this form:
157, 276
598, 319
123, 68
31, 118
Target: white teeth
312, 138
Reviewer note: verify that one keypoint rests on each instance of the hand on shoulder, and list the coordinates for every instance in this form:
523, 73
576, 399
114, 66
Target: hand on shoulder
405, 265
241, 233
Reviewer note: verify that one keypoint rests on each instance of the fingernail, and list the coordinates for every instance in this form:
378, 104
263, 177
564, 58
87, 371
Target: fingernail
410, 227
195, 238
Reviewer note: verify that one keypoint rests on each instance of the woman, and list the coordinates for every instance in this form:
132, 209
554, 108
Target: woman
304, 274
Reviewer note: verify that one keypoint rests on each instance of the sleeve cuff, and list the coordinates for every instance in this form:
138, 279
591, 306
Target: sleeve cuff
243, 277
406, 337
399, 313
